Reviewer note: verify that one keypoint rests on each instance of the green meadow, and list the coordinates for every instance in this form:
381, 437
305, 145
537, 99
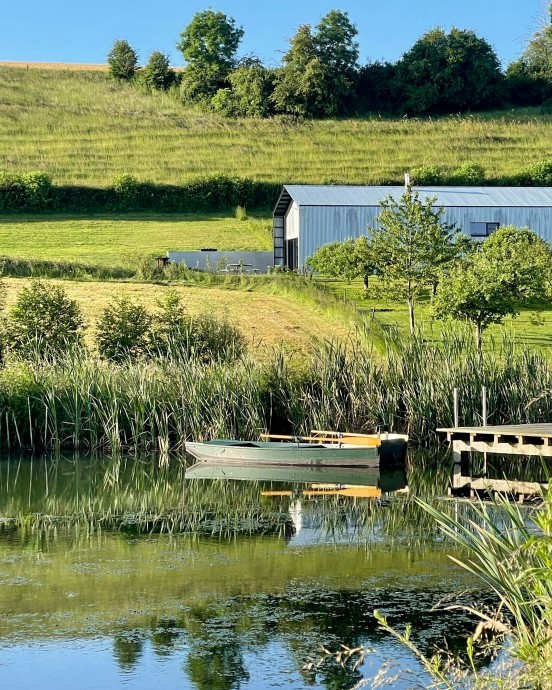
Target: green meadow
121, 240
82, 128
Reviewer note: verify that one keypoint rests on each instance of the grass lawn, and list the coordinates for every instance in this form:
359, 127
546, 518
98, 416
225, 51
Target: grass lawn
268, 320
126, 239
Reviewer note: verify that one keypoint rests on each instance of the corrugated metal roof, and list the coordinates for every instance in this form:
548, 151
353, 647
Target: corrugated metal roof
353, 195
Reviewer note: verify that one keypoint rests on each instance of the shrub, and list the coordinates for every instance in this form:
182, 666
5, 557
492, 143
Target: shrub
171, 333
26, 192
538, 174
428, 174
44, 323
213, 338
38, 187
122, 330
241, 213
468, 174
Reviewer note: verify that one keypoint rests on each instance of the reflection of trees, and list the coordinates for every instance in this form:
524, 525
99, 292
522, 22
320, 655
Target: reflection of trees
219, 632
216, 667
302, 618
164, 637
127, 648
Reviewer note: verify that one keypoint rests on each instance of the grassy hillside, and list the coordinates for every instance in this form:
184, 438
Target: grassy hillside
126, 239
84, 129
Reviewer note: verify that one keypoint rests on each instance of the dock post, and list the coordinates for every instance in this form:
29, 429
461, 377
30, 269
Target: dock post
455, 409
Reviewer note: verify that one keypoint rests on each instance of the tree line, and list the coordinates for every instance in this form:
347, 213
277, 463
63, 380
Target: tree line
320, 75
415, 252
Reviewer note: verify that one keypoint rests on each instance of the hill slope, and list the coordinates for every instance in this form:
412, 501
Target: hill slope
83, 128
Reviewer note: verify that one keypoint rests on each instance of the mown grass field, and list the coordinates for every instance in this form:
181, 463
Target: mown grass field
83, 128
532, 327
268, 319
126, 239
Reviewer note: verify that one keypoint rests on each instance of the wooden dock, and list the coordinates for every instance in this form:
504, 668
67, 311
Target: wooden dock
509, 439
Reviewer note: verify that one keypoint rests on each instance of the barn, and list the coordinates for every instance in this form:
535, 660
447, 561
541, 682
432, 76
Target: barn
309, 216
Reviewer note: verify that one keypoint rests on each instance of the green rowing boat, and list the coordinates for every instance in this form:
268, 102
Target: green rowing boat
384, 452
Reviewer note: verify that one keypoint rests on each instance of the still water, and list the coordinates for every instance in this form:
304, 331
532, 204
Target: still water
121, 573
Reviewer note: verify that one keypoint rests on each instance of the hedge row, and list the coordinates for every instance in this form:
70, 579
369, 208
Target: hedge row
210, 193
34, 191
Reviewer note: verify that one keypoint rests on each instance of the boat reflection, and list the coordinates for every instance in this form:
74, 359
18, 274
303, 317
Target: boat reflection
344, 481
305, 492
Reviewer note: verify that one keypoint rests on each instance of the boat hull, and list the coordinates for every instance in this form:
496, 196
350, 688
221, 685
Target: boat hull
323, 455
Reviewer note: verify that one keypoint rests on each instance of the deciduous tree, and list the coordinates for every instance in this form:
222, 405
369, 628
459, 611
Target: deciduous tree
208, 44
157, 74
348, 260
449, 73
509, 268
319, 69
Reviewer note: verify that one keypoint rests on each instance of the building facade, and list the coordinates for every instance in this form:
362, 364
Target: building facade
309, 216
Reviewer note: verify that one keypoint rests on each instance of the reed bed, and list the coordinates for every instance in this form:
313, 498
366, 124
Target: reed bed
82, 128
91, 405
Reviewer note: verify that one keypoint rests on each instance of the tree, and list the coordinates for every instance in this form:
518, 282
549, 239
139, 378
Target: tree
348, 260
319, 69
536, 59
300, 83
122, 330
157, 74
529, 79
449, 73
44, 322
411, 245
509, 268
338, 51
208, 44
122, 60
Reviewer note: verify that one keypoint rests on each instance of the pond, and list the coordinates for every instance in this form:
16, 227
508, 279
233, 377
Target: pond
123, 572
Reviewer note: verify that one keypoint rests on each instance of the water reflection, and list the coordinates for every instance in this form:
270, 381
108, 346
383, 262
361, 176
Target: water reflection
209, 583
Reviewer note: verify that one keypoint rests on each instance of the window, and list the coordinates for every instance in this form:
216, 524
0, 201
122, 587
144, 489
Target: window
478, 229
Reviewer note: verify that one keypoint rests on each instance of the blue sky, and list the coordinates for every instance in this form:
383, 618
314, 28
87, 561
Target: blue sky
83, 31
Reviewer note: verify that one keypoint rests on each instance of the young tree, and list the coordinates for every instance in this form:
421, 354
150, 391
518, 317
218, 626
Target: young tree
44, 322
122, 60
208, 44
537, 56
157, 74
411, 244
348, 260
509, 268
122, 330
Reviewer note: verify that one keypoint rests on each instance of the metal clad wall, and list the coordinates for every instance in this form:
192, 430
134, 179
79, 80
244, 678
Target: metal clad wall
322, 224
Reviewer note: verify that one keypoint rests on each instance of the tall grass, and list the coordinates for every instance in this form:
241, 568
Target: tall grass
159, 404
85, 129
